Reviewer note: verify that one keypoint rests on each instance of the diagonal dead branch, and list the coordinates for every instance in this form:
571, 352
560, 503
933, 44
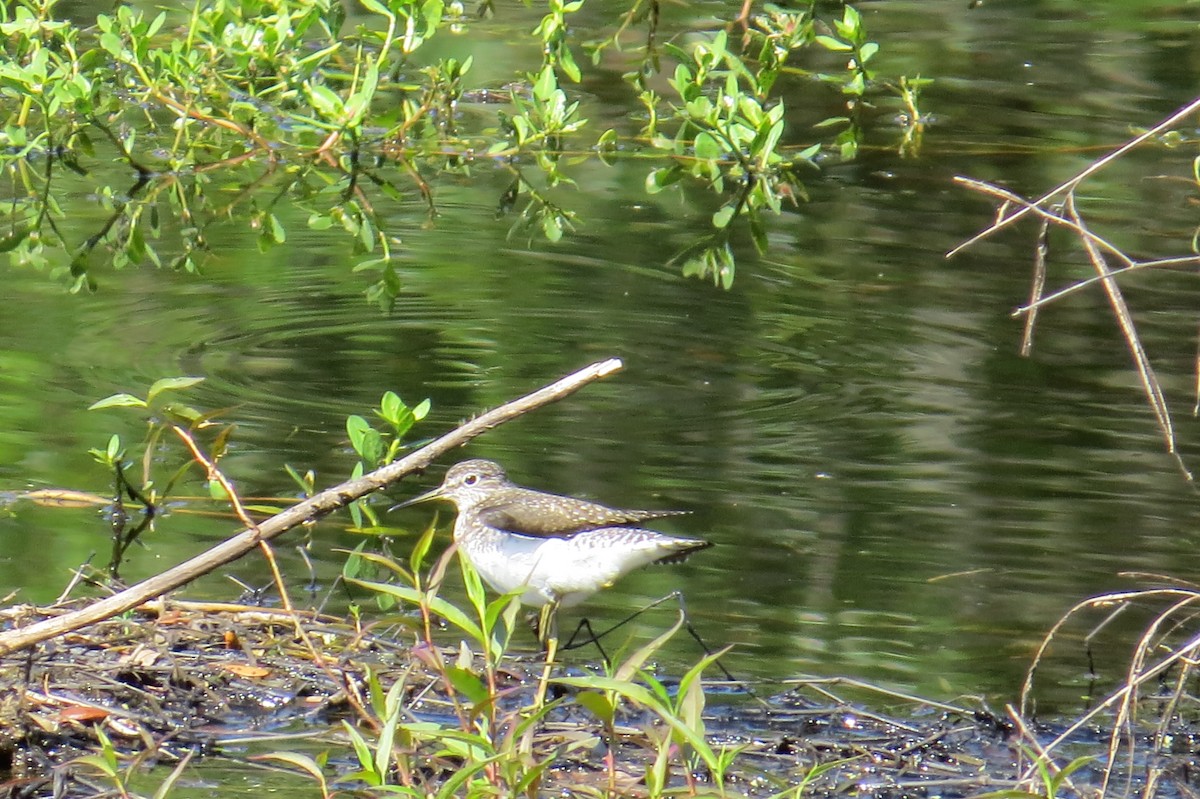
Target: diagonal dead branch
1038, 288
1129, 264
1069, 224
313, 508
1096, 248
1149, 380
1136, 266
1069, 185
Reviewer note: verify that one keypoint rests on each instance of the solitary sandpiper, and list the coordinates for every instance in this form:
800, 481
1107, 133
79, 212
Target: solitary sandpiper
557, 550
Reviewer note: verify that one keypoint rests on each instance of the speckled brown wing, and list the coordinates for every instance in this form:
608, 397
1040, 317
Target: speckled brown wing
533, 513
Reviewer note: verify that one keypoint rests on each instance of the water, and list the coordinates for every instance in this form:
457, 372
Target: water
893, 493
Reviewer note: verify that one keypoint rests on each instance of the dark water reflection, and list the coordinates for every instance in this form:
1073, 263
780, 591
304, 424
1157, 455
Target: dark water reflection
894, 494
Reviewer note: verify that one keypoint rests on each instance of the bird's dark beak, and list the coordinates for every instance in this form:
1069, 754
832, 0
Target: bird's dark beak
428, 496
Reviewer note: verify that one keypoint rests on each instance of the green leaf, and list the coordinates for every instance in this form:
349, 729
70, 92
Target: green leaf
324, 101
851, 24
179, 412
626, 688
318, 221
435, 604
155, 25
375, 7
758, 232
569, 67
545, 85
597, 704
275, 229
683, 78
836, 45
468, 684
659, 179
725, 266
11, 241
363, 752
723, 216
118, 401
391, 406
354, 563
552, 228
112, 43
417, 559
356, 428
356, 107
373, 263
829, 122
707, 147
370, 447
171, 384
302, 762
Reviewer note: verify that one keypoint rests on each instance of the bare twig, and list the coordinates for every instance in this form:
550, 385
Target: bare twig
215, 474
1091, 169
1043, 754
1122, 701
1150, 384
1038, 287
317, 506
1070, 224
1097, 248
1123, 724
240, 510
1079, 285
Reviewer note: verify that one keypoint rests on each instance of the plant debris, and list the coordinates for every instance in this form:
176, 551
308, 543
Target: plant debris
179, 679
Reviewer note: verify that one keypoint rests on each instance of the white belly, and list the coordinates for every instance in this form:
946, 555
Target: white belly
567, 569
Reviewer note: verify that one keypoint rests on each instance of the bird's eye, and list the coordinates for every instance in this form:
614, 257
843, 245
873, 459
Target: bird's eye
471, 479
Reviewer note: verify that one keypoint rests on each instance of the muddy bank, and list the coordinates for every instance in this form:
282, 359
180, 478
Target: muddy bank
182, 678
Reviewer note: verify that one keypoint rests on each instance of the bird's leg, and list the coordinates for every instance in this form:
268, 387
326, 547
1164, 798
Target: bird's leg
586, 624
594, 637
548, 635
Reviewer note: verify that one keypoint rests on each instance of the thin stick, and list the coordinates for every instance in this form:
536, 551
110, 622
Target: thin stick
240, 510
1095, 247
1153, 389
1043, 755
313, 508
1069, 224
215, 474
1131, 685
1158, 263
1091, 169
1039, 286
1196, 404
